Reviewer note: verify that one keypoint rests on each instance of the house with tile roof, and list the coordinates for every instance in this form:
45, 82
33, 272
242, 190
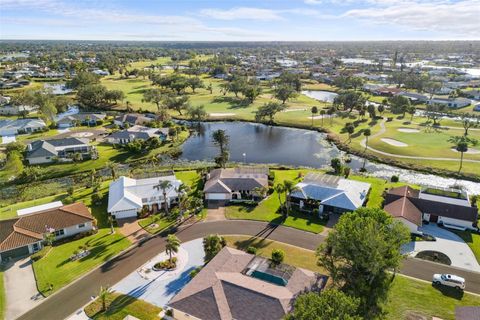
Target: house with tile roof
127, 197
242, 286
449, 207
48, 151
329, 193
235, 183
24, 235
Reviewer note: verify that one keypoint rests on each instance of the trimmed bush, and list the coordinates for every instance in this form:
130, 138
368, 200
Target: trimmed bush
394, 178
252, 250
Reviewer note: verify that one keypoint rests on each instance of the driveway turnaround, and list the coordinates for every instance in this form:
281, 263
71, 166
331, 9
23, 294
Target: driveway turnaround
65, 302
449, 244
158, 287
20, 288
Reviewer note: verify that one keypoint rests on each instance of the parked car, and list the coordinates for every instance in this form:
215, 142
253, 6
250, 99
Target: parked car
449, 280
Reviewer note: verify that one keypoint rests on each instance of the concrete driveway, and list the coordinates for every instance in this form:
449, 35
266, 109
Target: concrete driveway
448, 243
8, 139
158, 287
20, 288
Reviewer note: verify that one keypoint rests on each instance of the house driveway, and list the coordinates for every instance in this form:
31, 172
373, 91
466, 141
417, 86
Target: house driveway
20, 288
132, 230
448, 243
158, 287
8, 139
216, 211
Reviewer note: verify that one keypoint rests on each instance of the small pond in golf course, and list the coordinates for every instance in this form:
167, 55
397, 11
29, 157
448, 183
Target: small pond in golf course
258, 143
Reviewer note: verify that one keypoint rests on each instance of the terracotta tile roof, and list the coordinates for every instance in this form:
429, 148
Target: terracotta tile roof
404, 208
30, 228
222, 290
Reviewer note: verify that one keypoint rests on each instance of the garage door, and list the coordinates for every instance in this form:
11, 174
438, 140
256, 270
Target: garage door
217, 196
15, 253
125, 214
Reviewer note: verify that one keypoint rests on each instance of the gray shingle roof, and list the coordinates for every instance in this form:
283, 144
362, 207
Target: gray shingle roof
46, 148
227, 180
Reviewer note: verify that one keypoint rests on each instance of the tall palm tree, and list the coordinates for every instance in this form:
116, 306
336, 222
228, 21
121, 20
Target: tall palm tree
103, 296
322, 113
220, 139
462, 147
366, 133
113, 169
172, 245
164, 185
288, 188
279, 189
314, 111
212, 244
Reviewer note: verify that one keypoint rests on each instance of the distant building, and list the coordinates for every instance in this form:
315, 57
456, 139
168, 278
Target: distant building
48, 151
24, 235
86, 119
449, 207
127, 197
451, 103
235, 183
242, 286
132, 119
328, 193
20, 126
137, 133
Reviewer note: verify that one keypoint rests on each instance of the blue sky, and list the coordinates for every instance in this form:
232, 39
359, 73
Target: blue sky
226, 20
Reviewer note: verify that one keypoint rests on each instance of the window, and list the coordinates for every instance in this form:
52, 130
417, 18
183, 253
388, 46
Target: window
35, 247
82, 225
60, 232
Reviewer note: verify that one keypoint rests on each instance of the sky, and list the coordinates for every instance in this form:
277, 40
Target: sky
248, 20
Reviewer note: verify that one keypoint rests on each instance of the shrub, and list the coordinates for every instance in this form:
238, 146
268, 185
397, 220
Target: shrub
394, 178
68, 200
166, 264
252, 250
277, 256
40, 254
194, 272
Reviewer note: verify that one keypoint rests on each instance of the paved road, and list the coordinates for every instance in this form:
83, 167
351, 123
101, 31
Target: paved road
68, 300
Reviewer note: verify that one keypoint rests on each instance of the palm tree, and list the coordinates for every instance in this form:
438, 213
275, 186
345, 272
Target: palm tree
220, 139
314, 111
366, 133
322, 113
288, 188
110, 220
113, 169
212, 244
103, 296
279, 189
164, 185
462, 147
172, 245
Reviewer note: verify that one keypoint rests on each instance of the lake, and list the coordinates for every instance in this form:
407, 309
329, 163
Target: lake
258, 143
325, 96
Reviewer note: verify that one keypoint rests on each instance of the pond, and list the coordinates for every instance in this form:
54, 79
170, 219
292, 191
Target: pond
325, 96
258, 143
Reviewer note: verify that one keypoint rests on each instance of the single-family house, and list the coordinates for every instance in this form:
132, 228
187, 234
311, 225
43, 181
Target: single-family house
24, 235
48, 151
136, 133
127, 197
477, 107
449, 207
329, 193
414, 97
13, 110
235, 183
242, 286
20, 126
451, 103
86, 119
132, 119
473, 94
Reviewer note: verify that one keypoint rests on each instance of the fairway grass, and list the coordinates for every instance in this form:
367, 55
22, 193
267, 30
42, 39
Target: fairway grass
406, 295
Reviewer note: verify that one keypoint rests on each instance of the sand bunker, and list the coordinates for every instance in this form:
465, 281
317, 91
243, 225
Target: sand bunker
221, 114
319, 117
394, 143
408, 130
81, 134
293, 110
470, 151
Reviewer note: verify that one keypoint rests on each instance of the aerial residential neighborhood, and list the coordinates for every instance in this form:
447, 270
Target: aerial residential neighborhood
248, 160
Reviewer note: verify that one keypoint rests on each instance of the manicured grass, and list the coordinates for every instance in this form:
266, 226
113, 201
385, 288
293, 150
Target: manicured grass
57, 269
119, 306
160, 222
11, 211
406, 295
191, 178
294, 256
473, 241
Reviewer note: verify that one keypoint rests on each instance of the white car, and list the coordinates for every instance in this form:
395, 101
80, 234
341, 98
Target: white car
449, 280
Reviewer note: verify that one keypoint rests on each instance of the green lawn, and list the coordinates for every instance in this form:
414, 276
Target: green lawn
406, 295
473, 241
119, 306
57, 269
156, 223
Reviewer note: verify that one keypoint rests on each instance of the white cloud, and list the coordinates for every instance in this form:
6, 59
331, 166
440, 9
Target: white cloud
242, 13
435, 16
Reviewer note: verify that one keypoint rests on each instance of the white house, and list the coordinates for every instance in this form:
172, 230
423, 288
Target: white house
127, 197
329, 193
19, 126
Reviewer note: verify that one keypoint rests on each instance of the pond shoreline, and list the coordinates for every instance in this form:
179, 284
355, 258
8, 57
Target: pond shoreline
334, 139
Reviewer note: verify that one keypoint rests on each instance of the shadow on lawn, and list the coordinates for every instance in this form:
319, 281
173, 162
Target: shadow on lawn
449, 291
